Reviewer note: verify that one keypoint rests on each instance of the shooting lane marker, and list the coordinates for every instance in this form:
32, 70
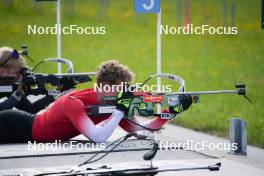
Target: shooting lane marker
238, 136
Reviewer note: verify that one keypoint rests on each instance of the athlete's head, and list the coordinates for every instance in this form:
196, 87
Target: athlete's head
113, 73
11, 63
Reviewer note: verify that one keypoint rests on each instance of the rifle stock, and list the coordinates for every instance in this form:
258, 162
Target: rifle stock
35, 83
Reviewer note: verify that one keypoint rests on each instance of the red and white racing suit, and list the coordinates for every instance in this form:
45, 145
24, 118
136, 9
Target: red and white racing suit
67, 118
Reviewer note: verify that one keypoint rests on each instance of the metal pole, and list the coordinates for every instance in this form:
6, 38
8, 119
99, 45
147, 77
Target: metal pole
158, 55
178, 13
224, 13
205, 45
233, 13
262, 20
58, 35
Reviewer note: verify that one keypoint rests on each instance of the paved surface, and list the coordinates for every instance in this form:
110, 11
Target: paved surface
15, 158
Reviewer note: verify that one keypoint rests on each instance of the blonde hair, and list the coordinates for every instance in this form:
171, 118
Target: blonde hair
5, 53
113, 73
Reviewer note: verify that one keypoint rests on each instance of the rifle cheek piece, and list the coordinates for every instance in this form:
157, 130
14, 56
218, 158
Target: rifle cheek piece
147, 111
144, 109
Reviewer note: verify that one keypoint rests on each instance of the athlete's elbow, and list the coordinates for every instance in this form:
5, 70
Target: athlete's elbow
98, 139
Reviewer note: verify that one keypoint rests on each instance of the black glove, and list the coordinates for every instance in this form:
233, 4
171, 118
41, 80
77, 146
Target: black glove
185, 101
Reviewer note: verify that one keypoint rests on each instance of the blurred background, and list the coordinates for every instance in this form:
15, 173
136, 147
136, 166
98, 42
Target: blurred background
206, 62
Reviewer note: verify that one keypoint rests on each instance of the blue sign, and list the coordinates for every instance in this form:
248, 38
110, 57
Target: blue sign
147, 6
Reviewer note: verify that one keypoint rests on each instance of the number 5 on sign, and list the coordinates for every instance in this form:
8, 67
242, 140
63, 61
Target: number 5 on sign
147, 6
150, 6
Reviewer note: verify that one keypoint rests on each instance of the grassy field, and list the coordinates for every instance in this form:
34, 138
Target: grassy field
206, 62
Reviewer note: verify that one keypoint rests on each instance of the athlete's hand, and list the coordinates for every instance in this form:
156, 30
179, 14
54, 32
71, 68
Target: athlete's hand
185, 101
124, 100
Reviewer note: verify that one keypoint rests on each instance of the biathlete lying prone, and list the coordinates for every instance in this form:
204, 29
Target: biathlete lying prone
67, 116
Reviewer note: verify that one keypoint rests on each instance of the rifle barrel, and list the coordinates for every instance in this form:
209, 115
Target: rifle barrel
205, 92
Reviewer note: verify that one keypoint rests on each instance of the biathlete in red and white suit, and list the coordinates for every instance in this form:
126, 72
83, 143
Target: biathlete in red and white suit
67, 116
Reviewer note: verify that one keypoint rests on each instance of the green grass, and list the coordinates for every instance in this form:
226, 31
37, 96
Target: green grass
206, 62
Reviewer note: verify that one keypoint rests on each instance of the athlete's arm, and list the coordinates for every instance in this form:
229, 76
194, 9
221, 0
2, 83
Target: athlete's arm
74, 109
9, 103
154, 124
26, 105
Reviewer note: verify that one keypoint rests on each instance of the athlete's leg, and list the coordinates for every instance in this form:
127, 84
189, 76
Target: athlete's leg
15, 126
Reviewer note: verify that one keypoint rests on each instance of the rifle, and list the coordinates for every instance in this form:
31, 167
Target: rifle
36, 83
144, 102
